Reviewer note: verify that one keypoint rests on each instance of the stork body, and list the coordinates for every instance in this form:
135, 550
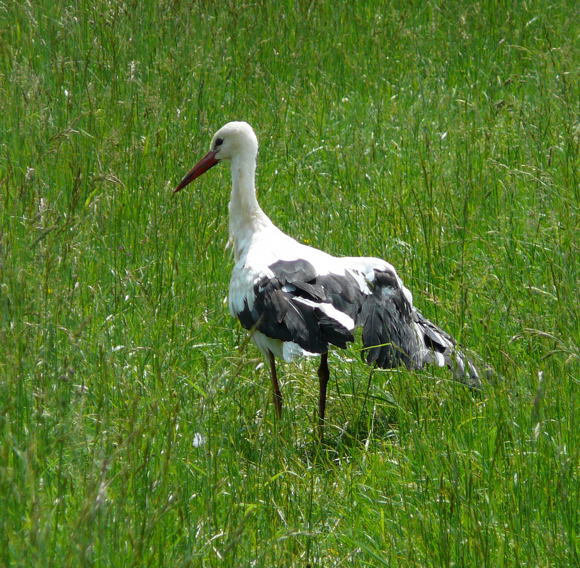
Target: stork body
296, 300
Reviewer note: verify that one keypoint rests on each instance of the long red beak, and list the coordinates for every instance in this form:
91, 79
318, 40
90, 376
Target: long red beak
207, 162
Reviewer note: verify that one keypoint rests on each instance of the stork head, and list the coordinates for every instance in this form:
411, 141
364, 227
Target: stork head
231, 141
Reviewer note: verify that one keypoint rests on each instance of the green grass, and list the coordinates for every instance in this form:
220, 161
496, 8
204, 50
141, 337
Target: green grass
440, 136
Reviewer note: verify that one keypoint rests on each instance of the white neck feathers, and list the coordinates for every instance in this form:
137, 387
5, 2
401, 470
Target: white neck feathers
246, 216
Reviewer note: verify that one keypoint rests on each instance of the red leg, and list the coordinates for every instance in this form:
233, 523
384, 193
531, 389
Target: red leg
323, 376
275, 386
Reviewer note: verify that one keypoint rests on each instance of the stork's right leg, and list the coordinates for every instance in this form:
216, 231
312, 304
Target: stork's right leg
275, 386
323, 375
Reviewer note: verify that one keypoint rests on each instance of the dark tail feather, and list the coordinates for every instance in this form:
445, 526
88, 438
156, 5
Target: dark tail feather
442, 350
392, 339
463, 368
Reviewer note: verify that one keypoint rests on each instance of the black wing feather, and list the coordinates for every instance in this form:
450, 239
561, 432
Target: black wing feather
283, 308
387, 318
287, 307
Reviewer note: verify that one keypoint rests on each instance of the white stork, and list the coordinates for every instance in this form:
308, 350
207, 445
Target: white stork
296, 300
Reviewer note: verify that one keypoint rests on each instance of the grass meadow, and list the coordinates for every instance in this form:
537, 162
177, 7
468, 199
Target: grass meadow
136, 422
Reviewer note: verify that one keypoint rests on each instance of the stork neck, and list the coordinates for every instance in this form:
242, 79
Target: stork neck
246, 215
243, 202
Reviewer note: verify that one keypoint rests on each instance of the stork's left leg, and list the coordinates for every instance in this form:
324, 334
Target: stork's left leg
275, 386
323, 376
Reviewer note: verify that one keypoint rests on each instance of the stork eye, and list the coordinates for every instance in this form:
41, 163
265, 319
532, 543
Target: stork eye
219, 142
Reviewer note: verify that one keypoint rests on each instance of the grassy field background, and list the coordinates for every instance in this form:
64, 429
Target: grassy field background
136, 424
